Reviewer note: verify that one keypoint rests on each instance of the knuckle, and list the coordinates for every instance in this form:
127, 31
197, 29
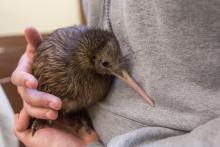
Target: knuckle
13, 74
31, 97
35, 98
19, 90
17, 78
13, 77
22, 92
28, 109
37, 112
25, 95
42, 99
40, 95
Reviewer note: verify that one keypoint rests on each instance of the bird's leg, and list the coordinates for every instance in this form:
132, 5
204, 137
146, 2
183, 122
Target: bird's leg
79, 122
84, 123
38, 124
75, 117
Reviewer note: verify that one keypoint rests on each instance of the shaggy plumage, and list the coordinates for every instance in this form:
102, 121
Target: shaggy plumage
77, 64
72, 64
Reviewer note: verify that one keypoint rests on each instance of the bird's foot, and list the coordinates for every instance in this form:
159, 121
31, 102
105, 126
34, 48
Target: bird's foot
86, 134
86, 126
39, 124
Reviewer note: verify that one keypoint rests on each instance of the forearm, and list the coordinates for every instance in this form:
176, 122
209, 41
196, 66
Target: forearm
206, 135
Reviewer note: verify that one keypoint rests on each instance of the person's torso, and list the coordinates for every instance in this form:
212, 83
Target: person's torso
175, 47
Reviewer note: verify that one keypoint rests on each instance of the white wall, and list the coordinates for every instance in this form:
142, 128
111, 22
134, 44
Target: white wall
46, 15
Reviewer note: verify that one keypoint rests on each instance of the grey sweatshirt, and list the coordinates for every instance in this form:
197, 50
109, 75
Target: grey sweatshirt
175, 56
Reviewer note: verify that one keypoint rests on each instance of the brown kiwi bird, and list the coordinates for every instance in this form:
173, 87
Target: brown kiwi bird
77, 64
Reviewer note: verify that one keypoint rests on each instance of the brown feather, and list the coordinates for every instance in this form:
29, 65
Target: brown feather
64, 66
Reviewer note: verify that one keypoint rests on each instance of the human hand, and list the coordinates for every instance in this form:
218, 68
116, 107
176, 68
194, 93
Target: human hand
35, 103
39, 104
53, 137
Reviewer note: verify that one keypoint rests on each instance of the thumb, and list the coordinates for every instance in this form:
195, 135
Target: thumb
22, 121
22, 135
33, 38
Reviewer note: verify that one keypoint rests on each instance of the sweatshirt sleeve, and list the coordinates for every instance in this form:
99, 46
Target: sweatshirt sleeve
206, 135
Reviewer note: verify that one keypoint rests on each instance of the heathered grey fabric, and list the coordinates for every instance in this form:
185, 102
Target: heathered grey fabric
176, 58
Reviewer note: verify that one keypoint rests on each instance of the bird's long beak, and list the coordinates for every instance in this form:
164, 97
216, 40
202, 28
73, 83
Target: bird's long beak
124, 76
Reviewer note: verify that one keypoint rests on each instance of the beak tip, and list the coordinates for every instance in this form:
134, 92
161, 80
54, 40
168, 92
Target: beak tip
130, 81
152, 103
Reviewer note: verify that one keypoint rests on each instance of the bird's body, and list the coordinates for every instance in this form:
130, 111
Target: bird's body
62, 67
77, 64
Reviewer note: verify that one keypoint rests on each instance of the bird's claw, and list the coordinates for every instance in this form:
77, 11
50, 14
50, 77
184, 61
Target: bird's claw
37, 124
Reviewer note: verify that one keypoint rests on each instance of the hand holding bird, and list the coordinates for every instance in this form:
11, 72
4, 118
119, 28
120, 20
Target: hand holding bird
27, 84
81, 58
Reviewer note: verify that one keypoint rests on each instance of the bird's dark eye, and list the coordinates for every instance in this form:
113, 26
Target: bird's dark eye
106, 64
93, 59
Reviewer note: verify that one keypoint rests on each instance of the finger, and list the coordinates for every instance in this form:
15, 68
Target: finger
41, 113
21, 78
33, 38
15, 122
22, 135
24, 63
23, 121
40, 99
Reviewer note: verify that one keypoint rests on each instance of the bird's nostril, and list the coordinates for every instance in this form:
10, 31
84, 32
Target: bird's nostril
105, 64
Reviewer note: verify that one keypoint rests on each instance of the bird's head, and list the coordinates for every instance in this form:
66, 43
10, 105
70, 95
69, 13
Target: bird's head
109, 60
102, 55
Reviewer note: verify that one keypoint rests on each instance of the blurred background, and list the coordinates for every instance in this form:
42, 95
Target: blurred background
15, 16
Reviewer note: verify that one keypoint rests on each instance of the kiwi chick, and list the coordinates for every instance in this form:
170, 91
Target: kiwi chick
77, 64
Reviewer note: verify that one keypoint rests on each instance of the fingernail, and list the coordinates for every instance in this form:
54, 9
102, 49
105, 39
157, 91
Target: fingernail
54, 106
51, 115
29, 85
